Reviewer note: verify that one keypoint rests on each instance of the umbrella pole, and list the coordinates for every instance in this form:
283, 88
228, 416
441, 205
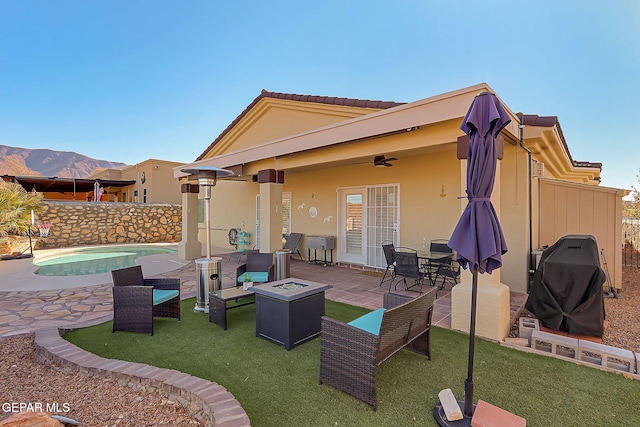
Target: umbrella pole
468, 384
467, 406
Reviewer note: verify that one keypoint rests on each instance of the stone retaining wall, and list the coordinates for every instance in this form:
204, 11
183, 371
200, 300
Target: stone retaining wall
86, 223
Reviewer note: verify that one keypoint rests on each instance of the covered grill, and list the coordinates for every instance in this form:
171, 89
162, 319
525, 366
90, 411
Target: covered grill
566, 293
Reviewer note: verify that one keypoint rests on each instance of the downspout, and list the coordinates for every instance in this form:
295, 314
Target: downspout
529, 197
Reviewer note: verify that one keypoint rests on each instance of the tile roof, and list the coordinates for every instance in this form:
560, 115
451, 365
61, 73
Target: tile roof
550, 121
332, 100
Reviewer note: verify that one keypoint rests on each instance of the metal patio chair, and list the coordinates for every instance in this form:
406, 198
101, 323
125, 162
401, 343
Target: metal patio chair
408, 267
447, 269
389, 255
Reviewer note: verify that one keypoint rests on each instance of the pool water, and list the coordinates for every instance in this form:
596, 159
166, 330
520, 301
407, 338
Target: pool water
94, 260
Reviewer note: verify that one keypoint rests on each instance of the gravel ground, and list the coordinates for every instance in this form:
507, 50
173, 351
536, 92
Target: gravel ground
622, 313
90, 400
102, 402
622, 326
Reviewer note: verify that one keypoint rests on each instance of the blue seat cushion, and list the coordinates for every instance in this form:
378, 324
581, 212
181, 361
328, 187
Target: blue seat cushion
370, 322
163, 295
256, 276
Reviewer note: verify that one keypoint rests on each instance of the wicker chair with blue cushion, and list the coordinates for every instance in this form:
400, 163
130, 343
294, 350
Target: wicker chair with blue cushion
259, 267
136, 300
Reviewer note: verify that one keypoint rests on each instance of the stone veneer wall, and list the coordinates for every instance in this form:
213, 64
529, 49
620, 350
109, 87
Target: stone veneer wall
87, 223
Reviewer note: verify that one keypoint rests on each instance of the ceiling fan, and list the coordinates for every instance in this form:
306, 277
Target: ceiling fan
380, 161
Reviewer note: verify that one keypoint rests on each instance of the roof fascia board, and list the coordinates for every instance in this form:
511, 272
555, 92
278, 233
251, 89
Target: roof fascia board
618, 191
558, 165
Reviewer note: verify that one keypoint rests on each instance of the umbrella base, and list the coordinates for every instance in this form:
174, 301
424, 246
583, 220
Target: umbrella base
441, 417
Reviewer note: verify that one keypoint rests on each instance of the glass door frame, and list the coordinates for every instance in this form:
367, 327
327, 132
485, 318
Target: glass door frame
343, 193
342, 255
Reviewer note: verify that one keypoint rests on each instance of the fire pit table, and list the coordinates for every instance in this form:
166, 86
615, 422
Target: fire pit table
289, 311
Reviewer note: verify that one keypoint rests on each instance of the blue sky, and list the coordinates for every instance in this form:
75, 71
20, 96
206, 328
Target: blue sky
131, 80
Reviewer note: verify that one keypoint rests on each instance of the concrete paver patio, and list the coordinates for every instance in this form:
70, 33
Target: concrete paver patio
73, 301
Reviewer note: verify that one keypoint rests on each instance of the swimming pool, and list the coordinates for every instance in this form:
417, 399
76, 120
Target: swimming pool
85, 261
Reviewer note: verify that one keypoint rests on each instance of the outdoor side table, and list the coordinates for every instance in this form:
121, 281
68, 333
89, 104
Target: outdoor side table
324, 243
218, 303
289, 311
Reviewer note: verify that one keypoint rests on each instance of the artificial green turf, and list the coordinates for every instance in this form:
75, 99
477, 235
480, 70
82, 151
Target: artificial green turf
281, 388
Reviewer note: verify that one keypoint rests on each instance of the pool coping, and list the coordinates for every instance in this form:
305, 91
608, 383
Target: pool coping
19, 274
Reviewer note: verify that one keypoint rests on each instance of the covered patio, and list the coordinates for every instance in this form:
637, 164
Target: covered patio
351, 285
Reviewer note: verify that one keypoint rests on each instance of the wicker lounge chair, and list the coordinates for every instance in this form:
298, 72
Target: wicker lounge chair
136, 300
351, 353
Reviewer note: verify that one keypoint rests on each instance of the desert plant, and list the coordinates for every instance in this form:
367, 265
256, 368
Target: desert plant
16, 205
632, 207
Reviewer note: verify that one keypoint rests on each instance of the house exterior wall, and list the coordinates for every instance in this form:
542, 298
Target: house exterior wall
429, 203
567, 208
428, 196
159, 183
514, 216
233, 205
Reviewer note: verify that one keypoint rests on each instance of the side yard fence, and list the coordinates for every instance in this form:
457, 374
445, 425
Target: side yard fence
86, 223
631, 239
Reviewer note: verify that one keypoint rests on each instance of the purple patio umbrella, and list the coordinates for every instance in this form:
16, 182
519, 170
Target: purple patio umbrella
477, 238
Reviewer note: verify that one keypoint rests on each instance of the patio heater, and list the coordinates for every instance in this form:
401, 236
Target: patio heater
208, 269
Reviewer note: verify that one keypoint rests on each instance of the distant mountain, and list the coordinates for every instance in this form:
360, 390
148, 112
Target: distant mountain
43, 162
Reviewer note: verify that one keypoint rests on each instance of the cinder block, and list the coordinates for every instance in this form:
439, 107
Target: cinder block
556, 344
450, 405
605, 355
638, 363
526, 326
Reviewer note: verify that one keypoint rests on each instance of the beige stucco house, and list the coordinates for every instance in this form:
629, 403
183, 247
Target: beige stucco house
306, 164
153, 182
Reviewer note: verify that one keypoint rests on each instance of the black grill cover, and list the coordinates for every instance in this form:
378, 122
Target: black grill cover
566, 293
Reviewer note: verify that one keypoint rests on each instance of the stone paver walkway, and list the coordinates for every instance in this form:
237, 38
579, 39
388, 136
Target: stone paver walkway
27, 311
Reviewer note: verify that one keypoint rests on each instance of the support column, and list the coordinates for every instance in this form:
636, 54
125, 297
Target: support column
493, 315
189, 247
270, 181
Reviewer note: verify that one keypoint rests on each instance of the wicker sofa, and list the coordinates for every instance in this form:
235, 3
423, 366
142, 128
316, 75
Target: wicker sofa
350, 354
136, 300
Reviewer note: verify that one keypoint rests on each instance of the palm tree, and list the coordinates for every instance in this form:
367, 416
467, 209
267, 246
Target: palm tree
16, 205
